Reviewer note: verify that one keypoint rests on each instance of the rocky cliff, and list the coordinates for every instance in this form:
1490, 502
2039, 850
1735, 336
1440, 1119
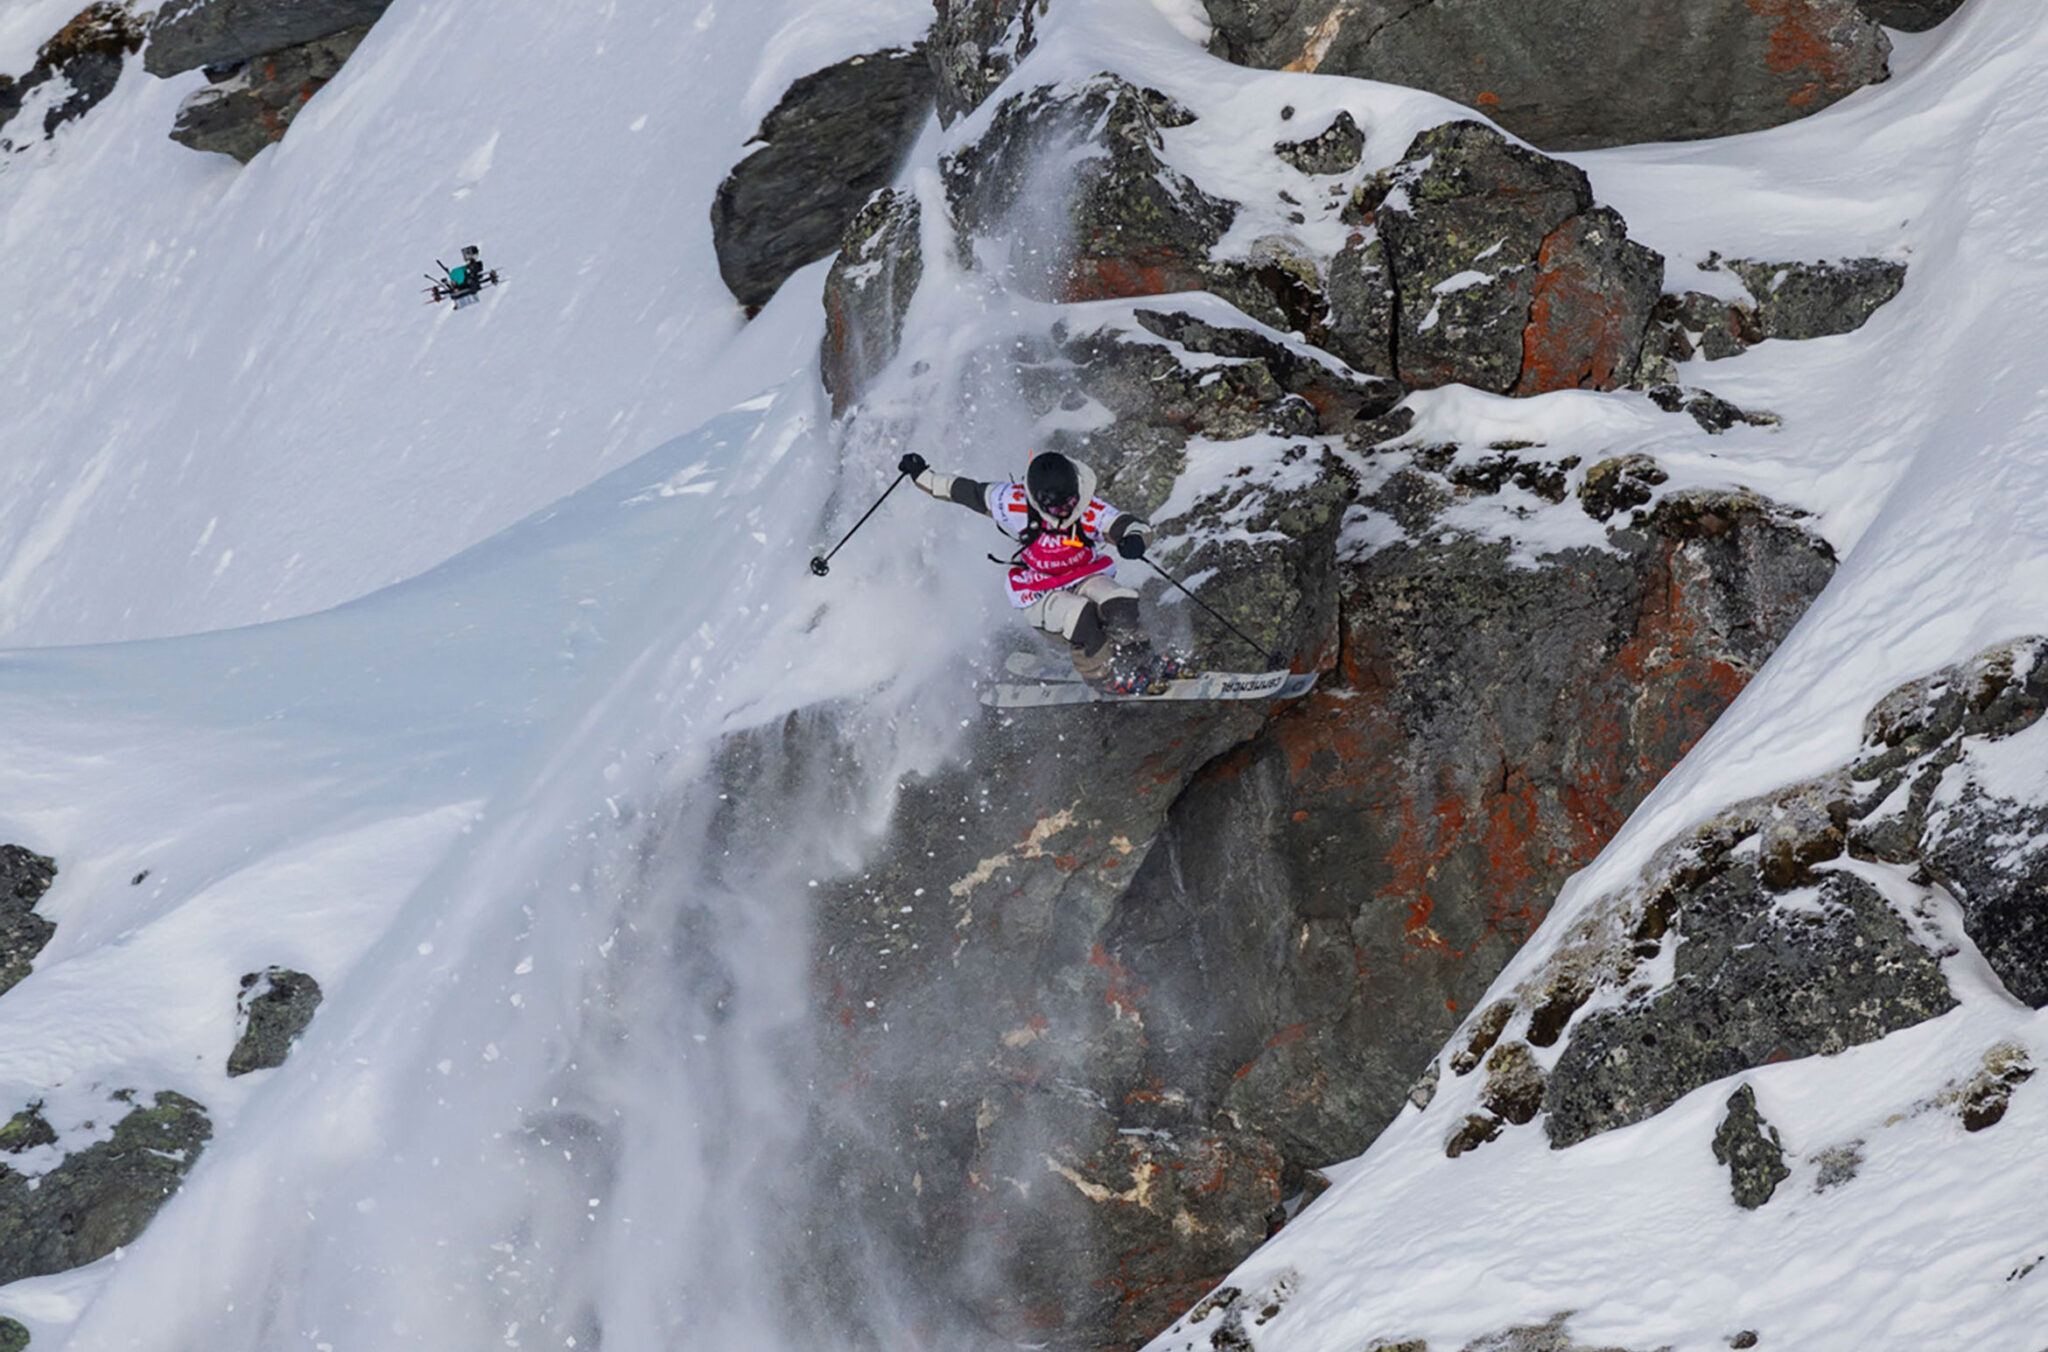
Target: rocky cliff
1211, 951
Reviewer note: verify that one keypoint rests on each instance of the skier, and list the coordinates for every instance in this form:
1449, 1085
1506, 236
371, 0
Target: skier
1061, 576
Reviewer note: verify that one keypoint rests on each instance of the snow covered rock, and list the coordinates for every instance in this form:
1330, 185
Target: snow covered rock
276, 1004
1787, 300
84, 58
188, 34
1209, 950
974, 46
1768, 933
867, 293
833, 140
1076, 181
1587, 75
1334, 150
1815, 300
1506, 276
24, 877
253, 103
100, 1198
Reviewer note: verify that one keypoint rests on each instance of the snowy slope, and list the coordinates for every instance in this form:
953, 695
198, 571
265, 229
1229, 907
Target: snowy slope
1923, 440
477, 805
221, 395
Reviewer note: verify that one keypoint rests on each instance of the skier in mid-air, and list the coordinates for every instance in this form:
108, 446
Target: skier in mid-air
1062, 575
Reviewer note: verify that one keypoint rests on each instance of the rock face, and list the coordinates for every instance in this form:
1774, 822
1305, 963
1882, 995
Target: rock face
276, 1006
1108, 217
1755, 983
835, 138
102, 1197
24, 877
188, 34
1782, 948
1605, 72
1505, 276
253, 103
1118, 980
1209, 950
86, 55
867, 293
974, 46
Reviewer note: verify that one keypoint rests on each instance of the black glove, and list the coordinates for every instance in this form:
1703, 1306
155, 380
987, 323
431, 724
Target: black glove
912, 464
1132, 546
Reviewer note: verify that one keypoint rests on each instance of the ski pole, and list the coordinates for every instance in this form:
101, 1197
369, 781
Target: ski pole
1270, 658
821, 564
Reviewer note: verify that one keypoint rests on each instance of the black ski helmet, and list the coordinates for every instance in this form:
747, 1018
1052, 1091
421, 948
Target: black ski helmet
1053, 484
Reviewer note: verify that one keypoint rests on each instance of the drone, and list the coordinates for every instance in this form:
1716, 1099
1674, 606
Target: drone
463, 283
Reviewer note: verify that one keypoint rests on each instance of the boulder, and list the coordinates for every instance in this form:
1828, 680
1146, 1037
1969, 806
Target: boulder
1599, 73
276, 1005
1490, 266
1755, 982
974, 45
1336, 149
1751, 1149
102, 1197
188, 34
87, 54
1465, 221
24, 877
1072, 186
27, 1130
252, 104
835, 139
1815, 300
867, 293
1595, 288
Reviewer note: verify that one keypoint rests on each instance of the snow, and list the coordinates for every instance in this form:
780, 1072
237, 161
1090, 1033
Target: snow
395, 645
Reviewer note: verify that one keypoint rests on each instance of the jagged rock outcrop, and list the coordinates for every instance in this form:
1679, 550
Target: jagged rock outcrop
1787, 300
834, 139
868, 292
1785, 944
1506, 276
252, 103
974, 45
1607, 72
99, 1198
1208, 950
276, 1006
1076, 181
86, 55
188, 34
24, 877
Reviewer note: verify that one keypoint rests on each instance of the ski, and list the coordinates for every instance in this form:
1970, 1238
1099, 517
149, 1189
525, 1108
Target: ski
1209, 685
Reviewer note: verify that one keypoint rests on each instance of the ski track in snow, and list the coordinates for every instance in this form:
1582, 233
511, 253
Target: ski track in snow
467, 802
